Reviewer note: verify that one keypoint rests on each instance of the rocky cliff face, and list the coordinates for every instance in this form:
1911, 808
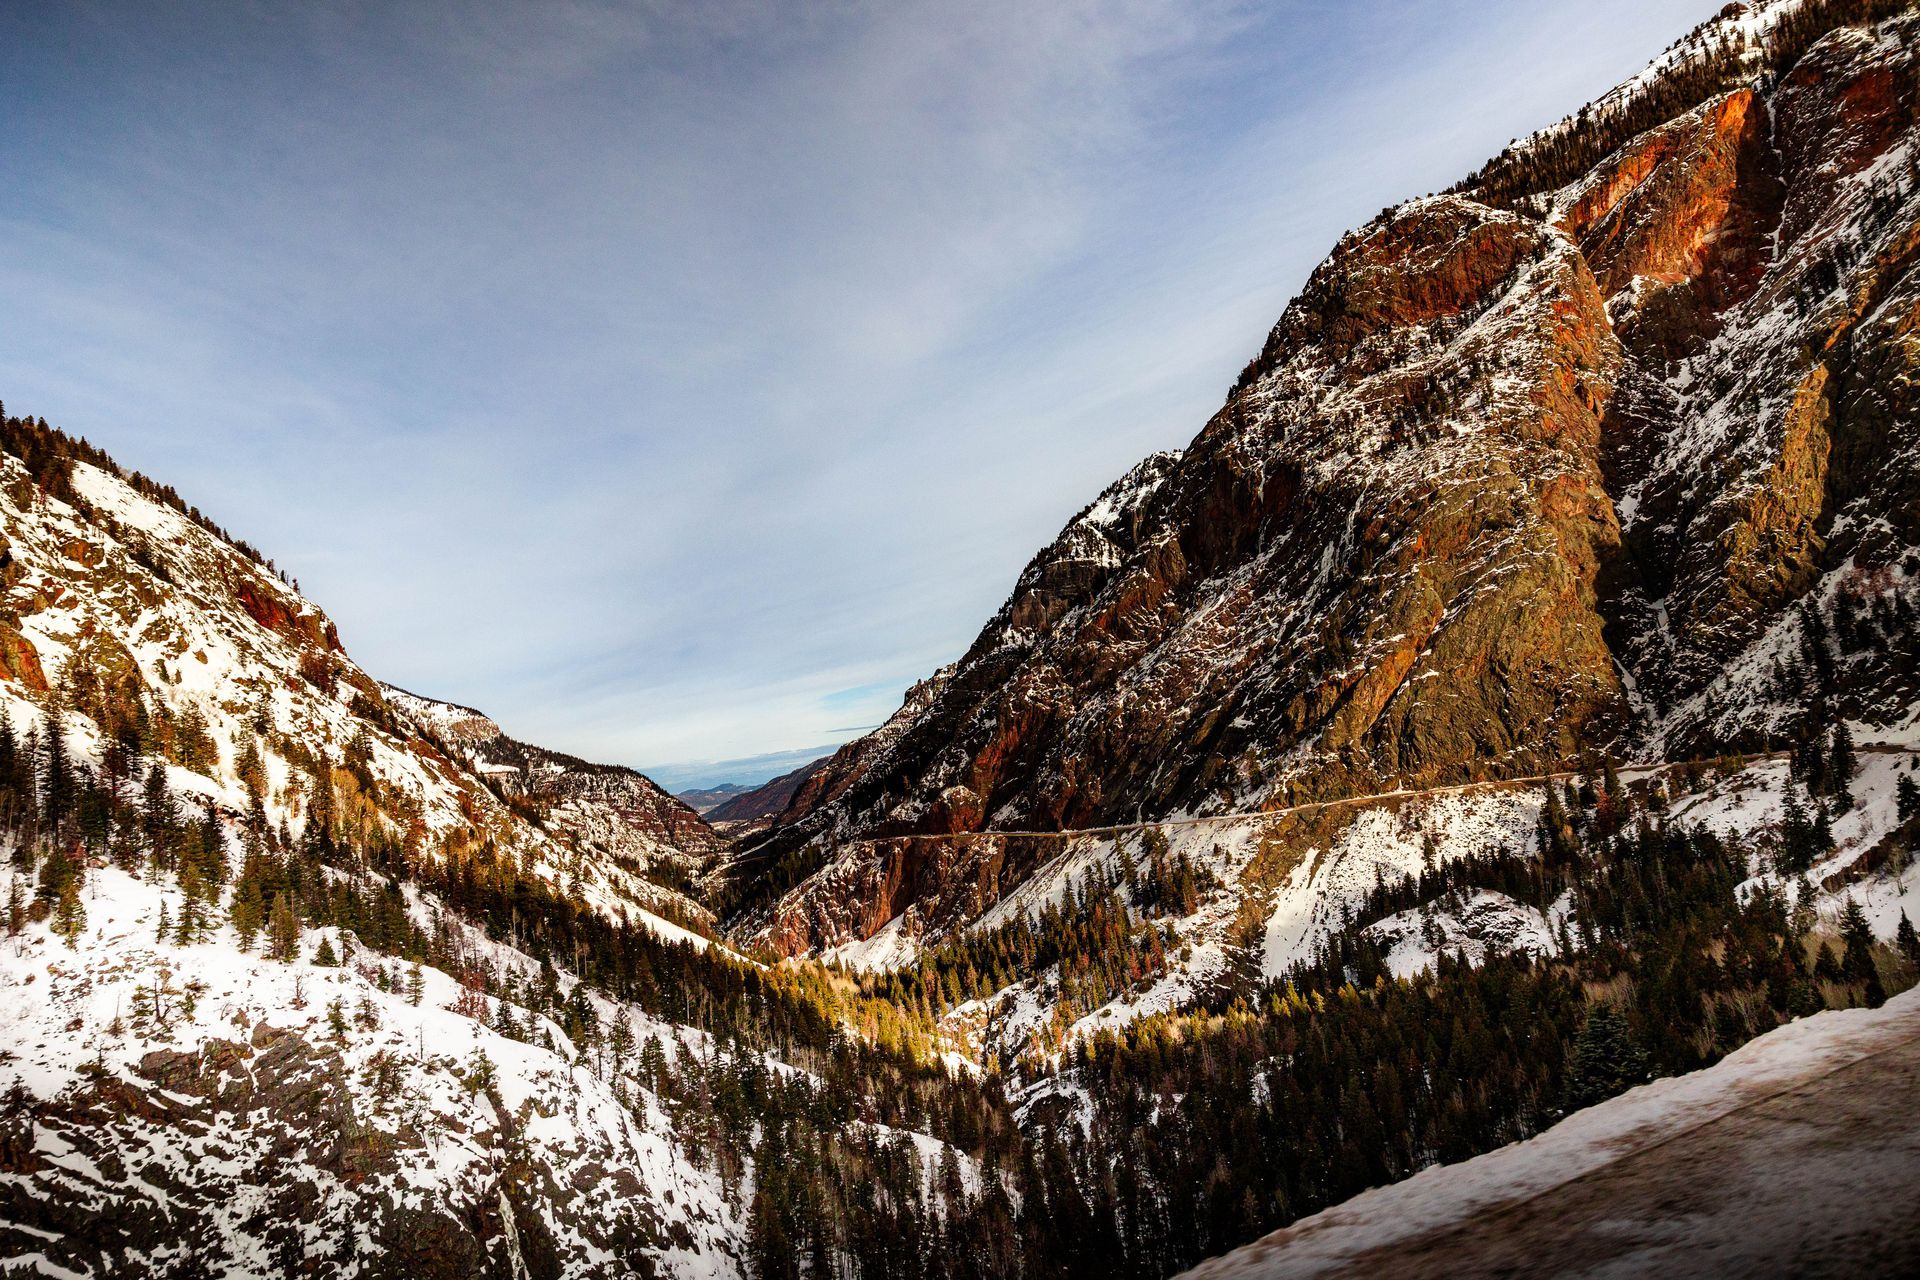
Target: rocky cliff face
1526, 469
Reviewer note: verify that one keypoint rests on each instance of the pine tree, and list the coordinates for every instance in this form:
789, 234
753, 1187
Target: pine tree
252, 770
55, 872
653, 1065
70, 914
1857, 935
1826, 965
10, 780
480, 1074
249, 911
158, 814
1820, 839
213, 846
1796, 835
1841, 766
1806, 913
283, 930
1907, 940
195, 746
620, 1040
324, 956
57, 786
767, 1242
1606, 1058
1906, 797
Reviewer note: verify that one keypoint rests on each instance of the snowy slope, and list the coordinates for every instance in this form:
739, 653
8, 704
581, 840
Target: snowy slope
613, 815
133, 614
189, 1094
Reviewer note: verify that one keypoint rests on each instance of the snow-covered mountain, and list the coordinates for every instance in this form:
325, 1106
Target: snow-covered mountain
1511, 693
1611, 449
610, 813
145, 627
304, 971
372, 1117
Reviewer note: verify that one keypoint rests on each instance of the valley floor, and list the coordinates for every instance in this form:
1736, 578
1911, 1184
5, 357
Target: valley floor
1798, 1155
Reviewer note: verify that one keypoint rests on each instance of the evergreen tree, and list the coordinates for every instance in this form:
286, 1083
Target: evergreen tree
1856, 964
773, 1255
1820, 839
1826, 965
12, 788
1606, 1058
56, 871
1796, 835
1907, 940
57, 789
1806, 912
653, 1065
70, 914
283, 930
1841, 766
1906, 798
158, 814
193, 888
249, 911
620, 1040
252, 770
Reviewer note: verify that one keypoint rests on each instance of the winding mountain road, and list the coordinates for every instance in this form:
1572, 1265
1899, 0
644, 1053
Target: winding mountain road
1313, 806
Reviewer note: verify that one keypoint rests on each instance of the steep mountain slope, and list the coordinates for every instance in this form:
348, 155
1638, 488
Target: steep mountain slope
169, 1096
610, 813
1235, 869
167, 641
303, 973
768, 800
1544, 465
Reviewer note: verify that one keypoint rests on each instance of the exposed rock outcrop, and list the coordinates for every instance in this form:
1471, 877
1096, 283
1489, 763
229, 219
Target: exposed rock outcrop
1510, 479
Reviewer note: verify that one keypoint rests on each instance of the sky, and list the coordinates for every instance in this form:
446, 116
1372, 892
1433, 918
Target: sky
679, 383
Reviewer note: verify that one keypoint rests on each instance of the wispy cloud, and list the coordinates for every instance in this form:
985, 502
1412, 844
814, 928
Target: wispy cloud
680, 382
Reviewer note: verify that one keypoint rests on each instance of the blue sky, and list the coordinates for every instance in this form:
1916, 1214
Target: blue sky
679, 383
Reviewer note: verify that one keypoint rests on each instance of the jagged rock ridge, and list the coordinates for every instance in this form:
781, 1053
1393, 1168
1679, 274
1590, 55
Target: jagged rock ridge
607, 811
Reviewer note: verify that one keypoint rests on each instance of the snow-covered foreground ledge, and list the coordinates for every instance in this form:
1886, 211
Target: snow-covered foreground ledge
1382, 1228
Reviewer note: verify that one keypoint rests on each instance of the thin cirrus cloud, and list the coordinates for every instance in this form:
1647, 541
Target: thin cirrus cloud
679, 383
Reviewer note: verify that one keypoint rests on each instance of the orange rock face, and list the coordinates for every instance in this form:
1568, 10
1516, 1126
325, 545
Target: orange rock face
1500, 486
1675, 228
20, 661
270, 612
